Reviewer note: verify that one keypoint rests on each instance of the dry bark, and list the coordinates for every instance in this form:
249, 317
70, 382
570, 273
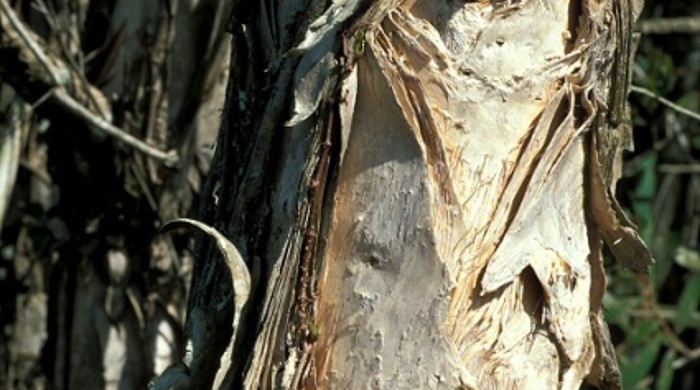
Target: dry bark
421, 191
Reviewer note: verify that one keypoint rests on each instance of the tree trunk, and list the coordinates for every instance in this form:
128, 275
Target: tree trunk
405, 194
421, 191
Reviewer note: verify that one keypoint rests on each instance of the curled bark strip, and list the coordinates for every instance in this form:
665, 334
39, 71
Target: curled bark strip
10, 151
618, 232
240, 278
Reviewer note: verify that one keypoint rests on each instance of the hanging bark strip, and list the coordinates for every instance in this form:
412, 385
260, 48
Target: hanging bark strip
317, 189
308, 331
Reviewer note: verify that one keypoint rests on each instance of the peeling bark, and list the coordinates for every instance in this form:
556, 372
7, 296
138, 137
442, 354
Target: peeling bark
421, 191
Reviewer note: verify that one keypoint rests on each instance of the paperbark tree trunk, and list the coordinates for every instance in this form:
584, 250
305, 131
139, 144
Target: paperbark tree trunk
421, 191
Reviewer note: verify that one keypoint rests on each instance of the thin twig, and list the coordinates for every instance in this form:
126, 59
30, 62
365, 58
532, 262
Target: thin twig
53, 23
665, 102
33, 46
41, 176
59, 96
67, 102
679, 169
683, 360
683, 25
665, 312
140, 176
675, 342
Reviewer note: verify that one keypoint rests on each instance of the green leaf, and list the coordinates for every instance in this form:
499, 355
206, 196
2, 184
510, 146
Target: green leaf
688, 303
642, 332
664, 244
616, 311
664, 379
639, 121
641, 361
644, 193
646, 187
688, 259
689, 99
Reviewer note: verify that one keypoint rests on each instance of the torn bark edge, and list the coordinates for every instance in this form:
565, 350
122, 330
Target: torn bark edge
618, 232
179, 375
605, 373
11, 136
44, 79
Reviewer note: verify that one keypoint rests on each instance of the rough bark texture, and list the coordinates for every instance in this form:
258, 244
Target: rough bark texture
421, 191
416, 193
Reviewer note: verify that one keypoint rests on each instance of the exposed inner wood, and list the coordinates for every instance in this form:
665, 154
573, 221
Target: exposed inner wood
455, 223
459, 239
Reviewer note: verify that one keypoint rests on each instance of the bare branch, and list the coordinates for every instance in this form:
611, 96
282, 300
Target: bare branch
665, 102
47, 81
31, 44
63, 99
687, 169
684, 25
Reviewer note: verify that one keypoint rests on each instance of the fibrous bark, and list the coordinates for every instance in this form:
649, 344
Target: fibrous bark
421, 190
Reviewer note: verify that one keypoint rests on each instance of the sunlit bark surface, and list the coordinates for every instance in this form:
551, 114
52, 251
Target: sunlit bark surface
460, 251
421, 190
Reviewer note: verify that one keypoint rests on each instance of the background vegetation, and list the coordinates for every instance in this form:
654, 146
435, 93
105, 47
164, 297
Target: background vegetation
656, 323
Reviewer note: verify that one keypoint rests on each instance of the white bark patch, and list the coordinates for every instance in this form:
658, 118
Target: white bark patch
381, 252
348, 99
329, 23
462, 192
310, 79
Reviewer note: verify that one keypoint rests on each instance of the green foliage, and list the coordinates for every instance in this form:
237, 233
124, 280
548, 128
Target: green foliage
665, 378
637, 366
688, 303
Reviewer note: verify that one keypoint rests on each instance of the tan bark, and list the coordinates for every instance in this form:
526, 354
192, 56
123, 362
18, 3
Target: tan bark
460, 245
430, 208
420, 190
